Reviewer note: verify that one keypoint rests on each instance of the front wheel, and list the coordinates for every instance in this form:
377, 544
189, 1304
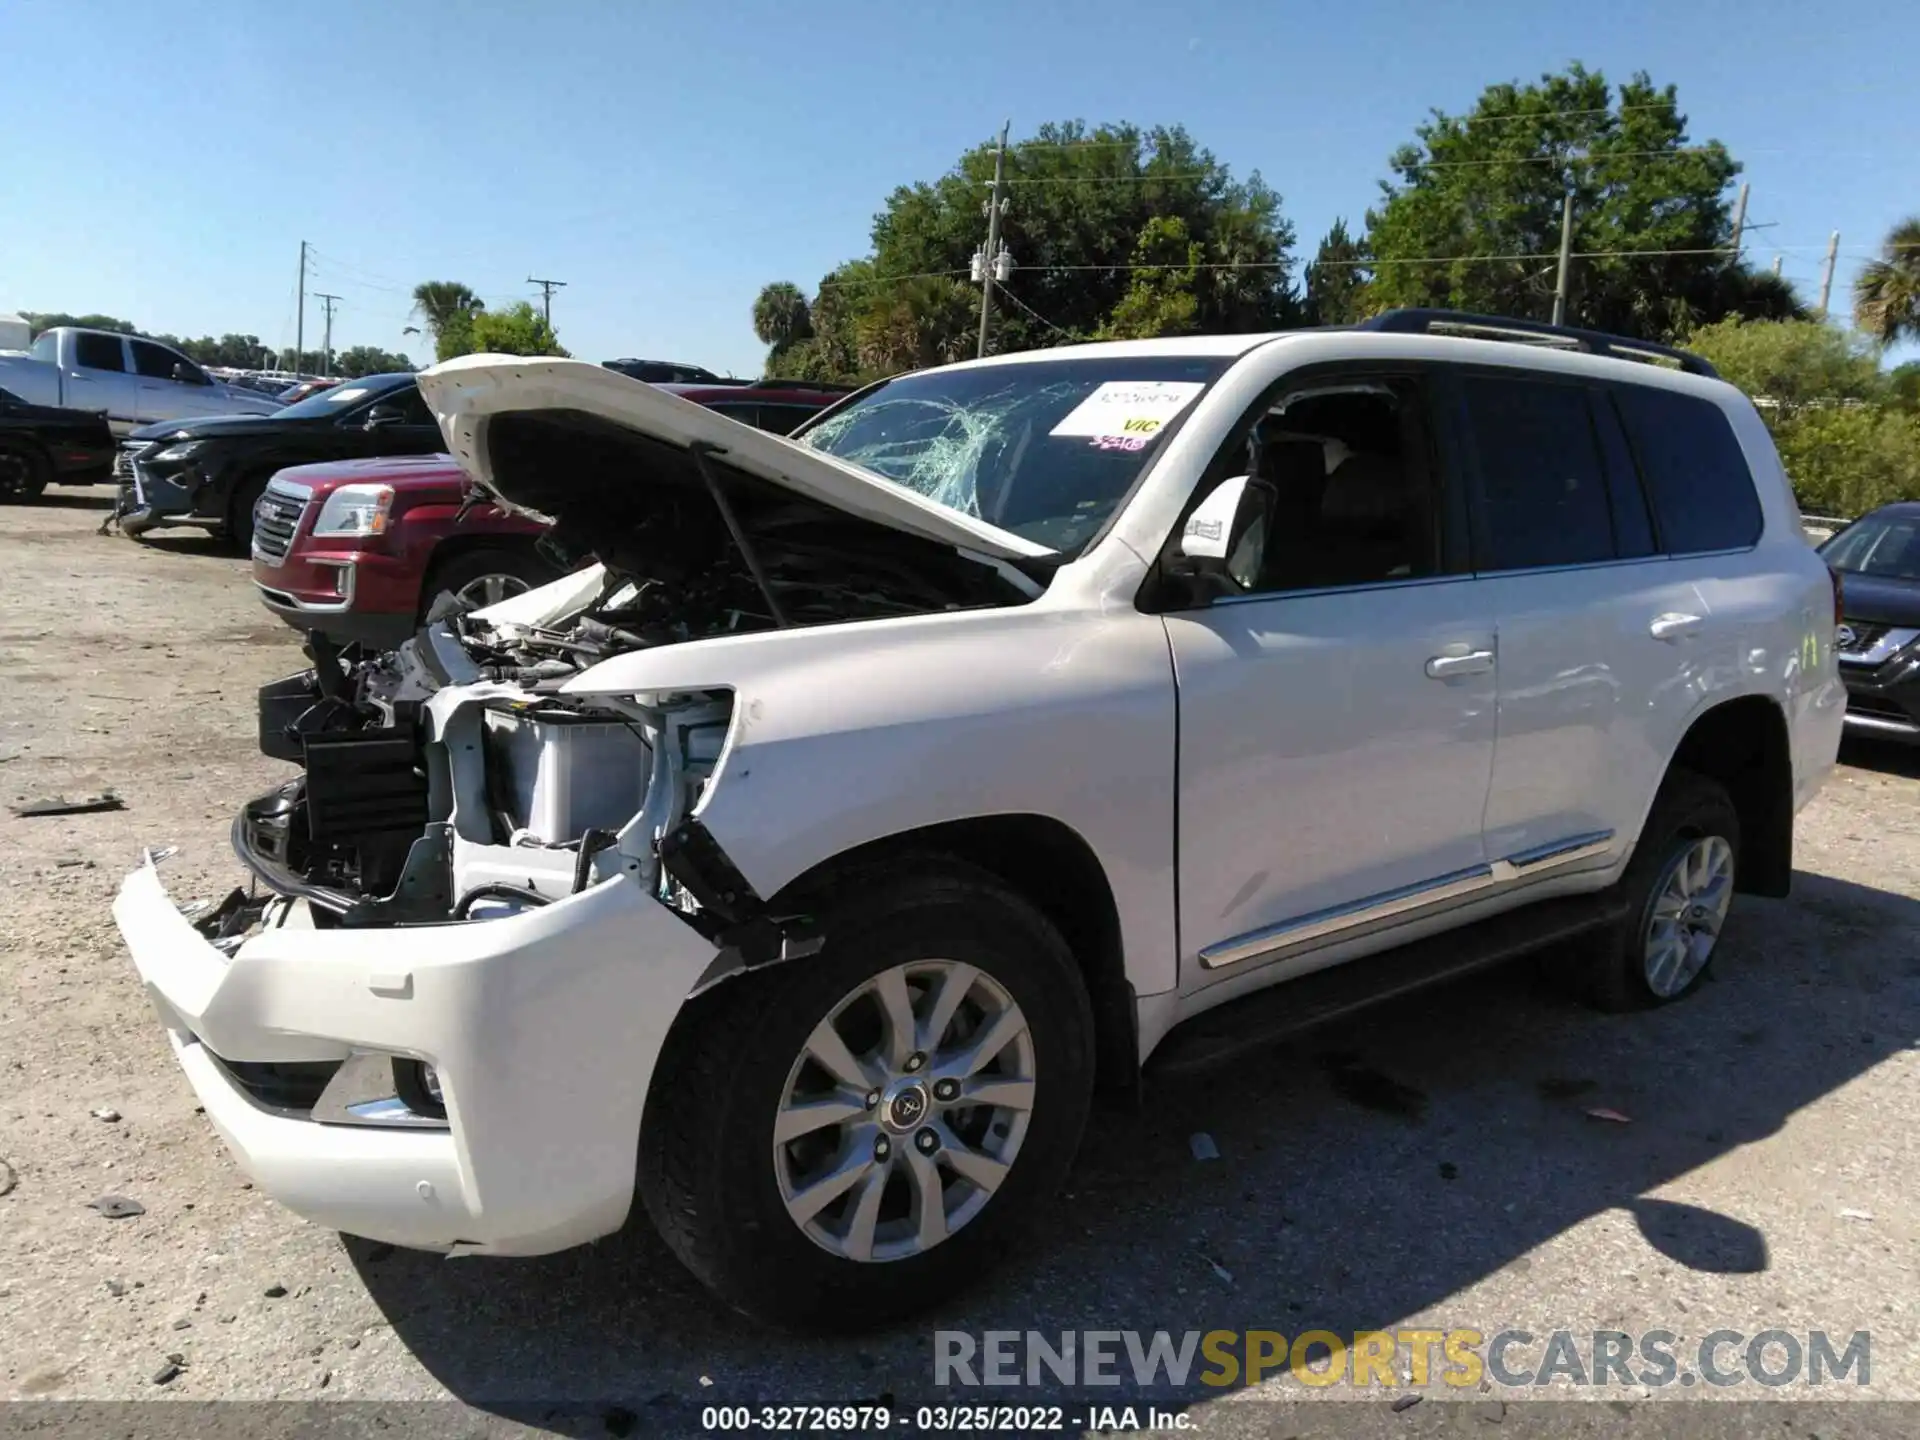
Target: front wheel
486, 576
1679, 886
238, 530
844, 1139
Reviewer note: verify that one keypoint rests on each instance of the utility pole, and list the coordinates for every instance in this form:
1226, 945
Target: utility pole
1826, 276
1739, 220
547, 287
1566, 259
990, 261
300, 325
1776, 265
326, 345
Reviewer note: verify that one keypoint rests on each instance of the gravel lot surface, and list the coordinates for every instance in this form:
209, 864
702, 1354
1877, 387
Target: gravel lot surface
1432, 1165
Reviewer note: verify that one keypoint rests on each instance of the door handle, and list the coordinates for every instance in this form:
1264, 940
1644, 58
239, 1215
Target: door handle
1474, 662
1673, 625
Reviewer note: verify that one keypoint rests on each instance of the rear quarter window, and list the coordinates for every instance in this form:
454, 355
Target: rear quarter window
1694, 469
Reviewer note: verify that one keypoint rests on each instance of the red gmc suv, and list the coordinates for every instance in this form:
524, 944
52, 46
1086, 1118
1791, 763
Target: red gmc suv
358, 549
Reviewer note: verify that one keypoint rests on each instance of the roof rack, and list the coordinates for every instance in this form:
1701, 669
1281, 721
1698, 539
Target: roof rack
1534, 332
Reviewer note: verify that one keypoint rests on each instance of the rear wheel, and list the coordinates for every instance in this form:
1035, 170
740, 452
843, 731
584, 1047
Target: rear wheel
485, 577
844, 1139
23, 474
1679, 886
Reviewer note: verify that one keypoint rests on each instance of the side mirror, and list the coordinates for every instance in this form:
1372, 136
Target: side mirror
1225, 538
186, 375
381, 416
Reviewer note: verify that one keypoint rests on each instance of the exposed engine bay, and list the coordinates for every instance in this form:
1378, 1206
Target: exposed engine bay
452, 780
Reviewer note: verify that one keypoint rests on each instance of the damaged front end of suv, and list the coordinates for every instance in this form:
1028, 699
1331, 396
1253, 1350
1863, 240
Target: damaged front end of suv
489, 889
489, 765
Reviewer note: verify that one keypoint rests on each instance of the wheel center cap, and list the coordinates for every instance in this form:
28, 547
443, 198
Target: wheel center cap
905, 1106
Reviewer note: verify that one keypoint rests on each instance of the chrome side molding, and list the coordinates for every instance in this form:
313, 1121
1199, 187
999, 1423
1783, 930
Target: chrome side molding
1477, 882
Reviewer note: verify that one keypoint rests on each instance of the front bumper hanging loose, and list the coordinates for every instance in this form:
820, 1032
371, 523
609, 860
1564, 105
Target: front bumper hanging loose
543, 1029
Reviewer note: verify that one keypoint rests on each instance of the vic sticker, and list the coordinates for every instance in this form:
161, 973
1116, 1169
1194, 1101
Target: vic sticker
1129, 409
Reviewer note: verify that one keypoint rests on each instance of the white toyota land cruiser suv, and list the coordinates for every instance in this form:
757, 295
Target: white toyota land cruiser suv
804, 865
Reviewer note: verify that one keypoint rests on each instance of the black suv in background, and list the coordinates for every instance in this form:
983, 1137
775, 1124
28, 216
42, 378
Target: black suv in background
664, 372
211, 472
1878, 559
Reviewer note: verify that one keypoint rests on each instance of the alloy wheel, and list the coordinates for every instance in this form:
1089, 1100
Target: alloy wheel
1689, 906
905, 1111
484, 590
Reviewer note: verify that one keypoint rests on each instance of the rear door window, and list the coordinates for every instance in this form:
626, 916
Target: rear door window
1695, 471
99, 352
1542, 489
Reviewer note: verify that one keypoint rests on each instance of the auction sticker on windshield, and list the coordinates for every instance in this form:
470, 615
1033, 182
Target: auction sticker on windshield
1128, 409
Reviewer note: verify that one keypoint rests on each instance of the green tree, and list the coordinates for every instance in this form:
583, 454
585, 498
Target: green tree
1160, 298
1847, 459
1886, 293
447, 309
517, 330
361, 360
1791, 363
53, 320
1472, 219
1080, 201
782, 320
1337, 279
1903, 385
920, 322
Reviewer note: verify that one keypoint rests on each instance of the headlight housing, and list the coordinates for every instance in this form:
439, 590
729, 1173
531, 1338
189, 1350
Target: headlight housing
175, 454
355, 510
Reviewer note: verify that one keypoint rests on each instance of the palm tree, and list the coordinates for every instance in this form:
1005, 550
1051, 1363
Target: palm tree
780, 315
444, 303
1886, 292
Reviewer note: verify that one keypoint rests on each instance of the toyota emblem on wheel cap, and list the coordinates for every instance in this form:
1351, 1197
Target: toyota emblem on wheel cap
907, 1108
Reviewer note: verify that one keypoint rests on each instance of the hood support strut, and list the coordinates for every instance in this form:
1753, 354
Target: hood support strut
701, 450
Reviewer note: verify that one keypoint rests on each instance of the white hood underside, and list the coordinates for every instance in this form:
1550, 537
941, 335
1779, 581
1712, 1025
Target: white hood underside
463, 393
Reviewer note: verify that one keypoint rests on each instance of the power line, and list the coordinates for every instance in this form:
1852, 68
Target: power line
887, 279
1007, 294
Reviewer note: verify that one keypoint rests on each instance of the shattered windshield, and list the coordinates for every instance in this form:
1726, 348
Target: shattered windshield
1045, 448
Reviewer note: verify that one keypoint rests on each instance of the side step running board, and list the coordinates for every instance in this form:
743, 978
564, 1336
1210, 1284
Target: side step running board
1231, 1030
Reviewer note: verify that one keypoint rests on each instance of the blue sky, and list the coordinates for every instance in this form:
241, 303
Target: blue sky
162, 162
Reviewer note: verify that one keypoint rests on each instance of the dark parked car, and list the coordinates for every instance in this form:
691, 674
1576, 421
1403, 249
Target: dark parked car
212, 472
42, 445
1878, 559
664, 372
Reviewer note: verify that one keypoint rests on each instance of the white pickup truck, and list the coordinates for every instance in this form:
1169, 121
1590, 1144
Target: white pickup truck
137, 382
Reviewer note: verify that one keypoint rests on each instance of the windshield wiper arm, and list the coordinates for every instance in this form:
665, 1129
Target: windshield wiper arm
701, 450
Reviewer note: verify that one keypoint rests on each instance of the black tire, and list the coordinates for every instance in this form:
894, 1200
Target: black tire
238, 531
706, 1165
519, 570
24, 474
1688, 809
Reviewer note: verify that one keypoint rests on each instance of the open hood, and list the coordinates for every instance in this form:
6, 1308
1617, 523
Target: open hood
562, 399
